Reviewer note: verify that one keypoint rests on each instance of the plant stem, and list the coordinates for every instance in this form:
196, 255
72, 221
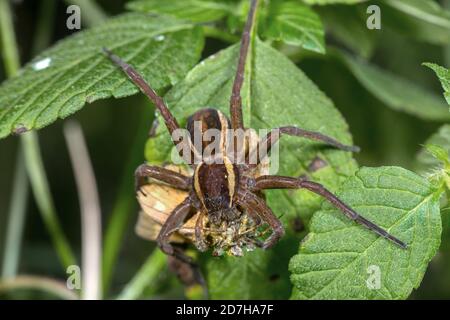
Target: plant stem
12, 64
91, 12
91, 217
41, 191
52, 286
16, 219
125, 202
9, 47
446, 5
29, 141
146, 275
44, 26
20, 191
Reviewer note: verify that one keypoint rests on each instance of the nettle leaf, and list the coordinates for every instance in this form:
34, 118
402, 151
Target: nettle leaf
191, 10
426, 10
398, 93
275, 93
342, 260
444, 76
295, 24
62, 79
324, 2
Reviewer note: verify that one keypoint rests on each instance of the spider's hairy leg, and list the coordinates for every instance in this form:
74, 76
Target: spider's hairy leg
274, 135
257, 209
139, 81
236, 100
173, 223
188, 273
170, 177
279, 182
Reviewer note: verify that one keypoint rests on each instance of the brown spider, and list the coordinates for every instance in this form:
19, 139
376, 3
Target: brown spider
223, 194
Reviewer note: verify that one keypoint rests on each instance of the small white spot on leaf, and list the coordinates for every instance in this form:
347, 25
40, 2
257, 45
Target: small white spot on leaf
160, 37
42, 64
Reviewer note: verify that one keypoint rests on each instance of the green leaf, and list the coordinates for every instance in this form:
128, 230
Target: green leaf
412, 27
441, 139
256, 275
275, 93
396, 92
438, 152
295, 24
426, 10
348, 25
444, 76
62, 79
338, 257
324, 2
191, 10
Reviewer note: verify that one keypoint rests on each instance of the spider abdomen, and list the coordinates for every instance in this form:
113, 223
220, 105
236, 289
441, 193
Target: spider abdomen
215, 185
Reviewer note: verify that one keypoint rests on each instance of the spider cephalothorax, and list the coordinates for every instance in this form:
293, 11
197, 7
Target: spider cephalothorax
223, 200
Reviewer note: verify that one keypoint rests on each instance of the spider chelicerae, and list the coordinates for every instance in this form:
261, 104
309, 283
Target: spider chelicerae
224, 194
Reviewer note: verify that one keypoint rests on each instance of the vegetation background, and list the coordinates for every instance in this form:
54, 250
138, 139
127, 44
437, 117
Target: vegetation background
116, 132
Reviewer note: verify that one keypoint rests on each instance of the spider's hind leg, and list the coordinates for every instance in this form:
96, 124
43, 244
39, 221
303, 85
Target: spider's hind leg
189, 274
280, 182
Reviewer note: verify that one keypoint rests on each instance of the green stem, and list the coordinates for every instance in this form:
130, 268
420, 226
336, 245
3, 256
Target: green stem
41, 191
125, 203
33, 160
48, 285
91, 13
147, 275
9, 47
16, 220
446, 5
20, 191
44, 26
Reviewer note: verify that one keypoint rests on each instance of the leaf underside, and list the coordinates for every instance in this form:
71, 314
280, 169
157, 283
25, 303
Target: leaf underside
275, 93
338, 257
74, 72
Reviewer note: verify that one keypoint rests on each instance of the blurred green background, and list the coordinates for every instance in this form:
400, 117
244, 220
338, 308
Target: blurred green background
116, 131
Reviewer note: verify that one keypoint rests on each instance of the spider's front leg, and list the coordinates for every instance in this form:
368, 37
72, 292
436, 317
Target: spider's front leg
170, 177
257, 209
279, 182
266, 144
174, 222
170, 121
237, 121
